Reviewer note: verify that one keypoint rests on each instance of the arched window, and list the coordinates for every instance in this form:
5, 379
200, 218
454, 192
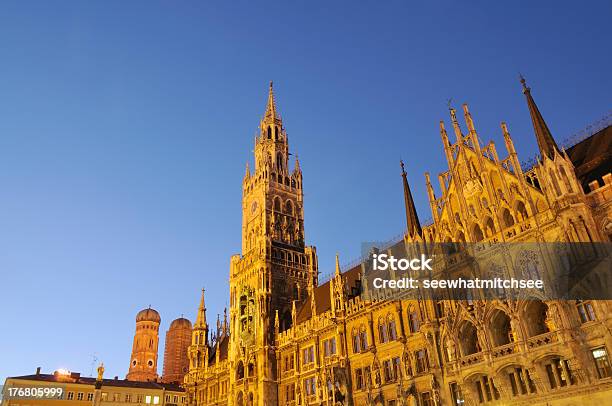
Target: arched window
277, 204
276, 133
469, 339
521, 210
489, 227
363, 338
413, 320
269, 133
382, 331
279, 161
391, 328
566, 180
554, 182
500, 328
535, 317
289, 207
356, 343
478, 236
240, 370
507, 217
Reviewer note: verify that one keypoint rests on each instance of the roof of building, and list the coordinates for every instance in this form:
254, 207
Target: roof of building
75, 378
222, 345
322, 297
592, 157
148, 315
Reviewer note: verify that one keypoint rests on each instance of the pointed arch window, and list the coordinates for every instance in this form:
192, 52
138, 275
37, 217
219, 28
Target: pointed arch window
363, 337
554, 182
413, 320
392, 331
382, 331
507, 217
566, 180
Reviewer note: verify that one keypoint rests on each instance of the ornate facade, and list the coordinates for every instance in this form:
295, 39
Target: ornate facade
291, 341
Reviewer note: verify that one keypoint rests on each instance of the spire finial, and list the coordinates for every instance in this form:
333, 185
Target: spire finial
523, 83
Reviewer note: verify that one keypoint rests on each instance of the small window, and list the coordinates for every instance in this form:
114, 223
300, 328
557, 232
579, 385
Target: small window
426, 399
70, 395
585, 310
456, 394
600, 355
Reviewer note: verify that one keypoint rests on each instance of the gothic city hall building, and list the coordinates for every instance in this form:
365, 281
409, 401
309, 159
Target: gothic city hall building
290, 339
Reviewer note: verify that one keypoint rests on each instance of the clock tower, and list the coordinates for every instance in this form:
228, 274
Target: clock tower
275, 267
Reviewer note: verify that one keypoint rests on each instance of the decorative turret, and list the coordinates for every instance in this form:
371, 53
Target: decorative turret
458, 134
201, 317
198, 350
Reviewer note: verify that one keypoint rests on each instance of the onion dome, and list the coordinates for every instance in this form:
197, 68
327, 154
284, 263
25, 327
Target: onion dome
181, 322
148, 315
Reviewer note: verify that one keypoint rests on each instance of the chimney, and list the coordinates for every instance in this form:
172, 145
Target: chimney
38, 371
116, 378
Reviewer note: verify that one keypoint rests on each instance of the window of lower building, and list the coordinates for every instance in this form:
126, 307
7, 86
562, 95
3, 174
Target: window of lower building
308, 355
80, 396
558, 373
89, 397
585, 310
421, 361
456, 394
310, 386
486, 390
521, 382
600, 355
70, 395
426, 399
359, 378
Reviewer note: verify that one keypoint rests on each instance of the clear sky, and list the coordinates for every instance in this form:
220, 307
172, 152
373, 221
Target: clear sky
125, 128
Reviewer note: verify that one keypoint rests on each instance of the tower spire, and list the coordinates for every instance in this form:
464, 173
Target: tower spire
271, 106
412, 219
201, 318
546, 142
338, 272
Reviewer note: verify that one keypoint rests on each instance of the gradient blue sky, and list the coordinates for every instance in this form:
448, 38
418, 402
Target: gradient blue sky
125, 128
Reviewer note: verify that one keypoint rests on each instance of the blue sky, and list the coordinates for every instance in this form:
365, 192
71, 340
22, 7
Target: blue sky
125, 128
